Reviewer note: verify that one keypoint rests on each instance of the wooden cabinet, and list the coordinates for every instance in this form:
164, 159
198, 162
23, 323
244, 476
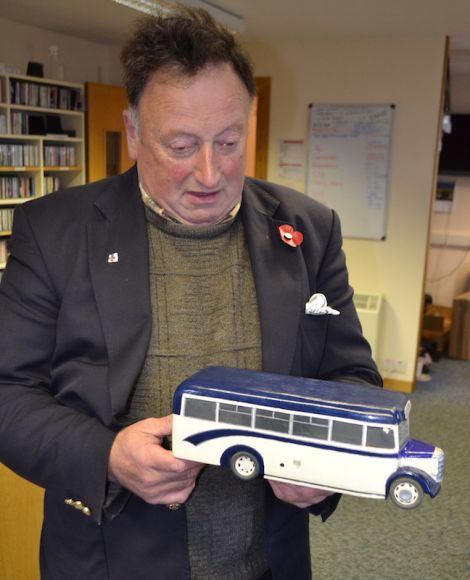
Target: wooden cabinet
459, 347
20, 527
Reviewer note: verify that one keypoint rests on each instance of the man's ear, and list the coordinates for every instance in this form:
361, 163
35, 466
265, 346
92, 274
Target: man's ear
132, 133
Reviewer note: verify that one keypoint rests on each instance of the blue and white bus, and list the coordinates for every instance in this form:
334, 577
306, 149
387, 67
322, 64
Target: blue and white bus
342, 437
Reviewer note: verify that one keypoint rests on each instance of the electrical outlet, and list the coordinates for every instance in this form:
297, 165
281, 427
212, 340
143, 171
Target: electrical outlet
400, 367
392, 366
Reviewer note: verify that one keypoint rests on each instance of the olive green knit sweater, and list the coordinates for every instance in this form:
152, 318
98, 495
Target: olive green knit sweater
205, 312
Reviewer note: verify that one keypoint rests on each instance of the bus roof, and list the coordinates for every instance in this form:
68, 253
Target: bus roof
350, 400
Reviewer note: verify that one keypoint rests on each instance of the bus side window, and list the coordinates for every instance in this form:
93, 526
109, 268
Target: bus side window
347, 433
272, 420
235, 414
380, 437
310, 427
199, 409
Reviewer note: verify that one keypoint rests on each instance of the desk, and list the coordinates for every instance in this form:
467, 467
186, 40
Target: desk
437, 323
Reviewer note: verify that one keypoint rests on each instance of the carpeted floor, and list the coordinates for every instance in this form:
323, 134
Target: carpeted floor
369, 539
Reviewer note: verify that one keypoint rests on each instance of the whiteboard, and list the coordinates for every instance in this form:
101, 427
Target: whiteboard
348, 164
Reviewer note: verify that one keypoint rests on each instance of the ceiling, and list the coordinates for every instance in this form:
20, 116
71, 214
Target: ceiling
105, 21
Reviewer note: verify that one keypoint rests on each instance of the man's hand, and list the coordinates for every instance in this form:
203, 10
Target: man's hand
139, 463
298, 495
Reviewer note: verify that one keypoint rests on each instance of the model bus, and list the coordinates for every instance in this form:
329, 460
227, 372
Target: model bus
342, 437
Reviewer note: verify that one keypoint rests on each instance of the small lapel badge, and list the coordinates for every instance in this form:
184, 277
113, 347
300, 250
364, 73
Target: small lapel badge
317, 306
112, 258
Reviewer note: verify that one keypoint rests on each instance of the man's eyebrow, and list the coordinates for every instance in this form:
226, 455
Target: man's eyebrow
173, 134
181, 133
234, 127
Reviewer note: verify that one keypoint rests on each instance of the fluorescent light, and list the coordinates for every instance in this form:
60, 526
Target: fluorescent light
233, 21
147, 6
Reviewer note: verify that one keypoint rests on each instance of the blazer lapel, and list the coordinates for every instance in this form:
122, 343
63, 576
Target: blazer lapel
280, 279
118, 260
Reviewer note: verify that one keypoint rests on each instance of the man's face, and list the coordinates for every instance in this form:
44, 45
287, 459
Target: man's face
189, 141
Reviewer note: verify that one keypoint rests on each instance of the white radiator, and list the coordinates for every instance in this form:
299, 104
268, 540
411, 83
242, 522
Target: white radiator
368, 307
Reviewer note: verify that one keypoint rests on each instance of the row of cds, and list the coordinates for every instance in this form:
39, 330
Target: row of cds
51, 183
15, 187
23, 155
6, 219
59, 155
44, 96
20, 155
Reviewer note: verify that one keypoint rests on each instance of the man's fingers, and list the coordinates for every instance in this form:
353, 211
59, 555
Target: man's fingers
160, 427
300, 496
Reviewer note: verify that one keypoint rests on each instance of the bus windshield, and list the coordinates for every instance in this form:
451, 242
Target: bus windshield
403, 433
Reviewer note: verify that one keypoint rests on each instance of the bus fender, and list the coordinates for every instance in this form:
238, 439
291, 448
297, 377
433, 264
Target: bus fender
429, 485
228, 453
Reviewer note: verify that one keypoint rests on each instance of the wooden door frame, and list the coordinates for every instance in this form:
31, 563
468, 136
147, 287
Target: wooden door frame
263, 88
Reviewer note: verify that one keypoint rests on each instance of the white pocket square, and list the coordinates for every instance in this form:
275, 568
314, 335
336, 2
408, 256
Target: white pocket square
317, 306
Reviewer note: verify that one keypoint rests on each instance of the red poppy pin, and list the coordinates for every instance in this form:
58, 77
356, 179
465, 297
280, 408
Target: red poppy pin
290, 236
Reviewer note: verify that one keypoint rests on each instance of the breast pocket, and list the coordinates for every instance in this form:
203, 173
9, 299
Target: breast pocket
313, 334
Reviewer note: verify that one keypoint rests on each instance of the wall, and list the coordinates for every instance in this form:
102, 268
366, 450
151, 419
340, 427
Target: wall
460, 91
83, 60
403, 71
408, 73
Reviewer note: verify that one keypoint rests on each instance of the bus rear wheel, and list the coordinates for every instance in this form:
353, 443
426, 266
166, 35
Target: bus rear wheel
406, 493
244, 465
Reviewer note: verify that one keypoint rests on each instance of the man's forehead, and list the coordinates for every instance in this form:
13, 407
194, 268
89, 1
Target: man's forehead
175, 77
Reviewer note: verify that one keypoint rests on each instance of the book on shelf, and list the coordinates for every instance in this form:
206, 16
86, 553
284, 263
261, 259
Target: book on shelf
6, 220
34, 94
3, 90
59, 155
19, 155
3, 251
51, 183
17, 187
3, 123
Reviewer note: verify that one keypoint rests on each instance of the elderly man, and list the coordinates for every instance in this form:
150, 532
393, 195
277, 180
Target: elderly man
118, 290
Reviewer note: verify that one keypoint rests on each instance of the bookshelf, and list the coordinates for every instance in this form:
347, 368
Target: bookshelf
42, 146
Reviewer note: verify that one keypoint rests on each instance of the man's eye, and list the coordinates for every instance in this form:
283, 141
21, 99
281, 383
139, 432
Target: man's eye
180, 147
183, 149
228, 145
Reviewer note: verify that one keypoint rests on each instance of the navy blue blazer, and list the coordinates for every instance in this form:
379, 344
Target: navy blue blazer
75, 330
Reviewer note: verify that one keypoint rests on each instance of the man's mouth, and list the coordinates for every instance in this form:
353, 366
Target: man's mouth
204, 195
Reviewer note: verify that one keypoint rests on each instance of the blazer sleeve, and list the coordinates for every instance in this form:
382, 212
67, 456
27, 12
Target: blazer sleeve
50, 444
346, 354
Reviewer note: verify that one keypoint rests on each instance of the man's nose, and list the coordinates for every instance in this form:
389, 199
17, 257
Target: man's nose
207, 168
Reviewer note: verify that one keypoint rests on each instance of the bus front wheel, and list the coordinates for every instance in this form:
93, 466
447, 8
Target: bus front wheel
406, 493
244, 465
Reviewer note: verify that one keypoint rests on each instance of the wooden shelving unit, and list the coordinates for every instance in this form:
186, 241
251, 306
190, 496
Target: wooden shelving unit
42, 140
